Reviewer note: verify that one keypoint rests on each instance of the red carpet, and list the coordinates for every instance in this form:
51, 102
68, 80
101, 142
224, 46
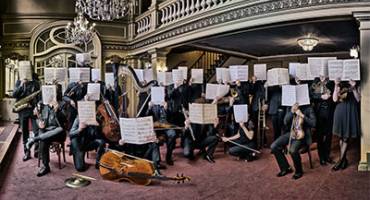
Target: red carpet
227, 179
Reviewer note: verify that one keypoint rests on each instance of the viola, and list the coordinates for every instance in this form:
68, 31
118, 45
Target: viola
118, 166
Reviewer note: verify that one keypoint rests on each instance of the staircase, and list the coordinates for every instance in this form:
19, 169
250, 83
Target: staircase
209, 61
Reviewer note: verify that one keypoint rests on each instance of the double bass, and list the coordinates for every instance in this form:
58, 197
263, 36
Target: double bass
118, 166
110, 122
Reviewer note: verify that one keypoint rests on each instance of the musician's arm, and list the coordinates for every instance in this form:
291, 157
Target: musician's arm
357, 94
288, 118
310, 118
336, 93
75, 129
19, 90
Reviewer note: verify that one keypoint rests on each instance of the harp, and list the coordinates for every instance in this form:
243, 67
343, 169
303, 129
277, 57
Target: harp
122, 70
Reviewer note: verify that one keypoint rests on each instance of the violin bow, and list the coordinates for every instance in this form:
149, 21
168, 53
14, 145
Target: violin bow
242, 146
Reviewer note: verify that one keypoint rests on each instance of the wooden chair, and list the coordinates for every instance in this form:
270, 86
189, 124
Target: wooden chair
58, 148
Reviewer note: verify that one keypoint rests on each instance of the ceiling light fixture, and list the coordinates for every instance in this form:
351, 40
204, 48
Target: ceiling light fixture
104, 10
80, 31
308, 42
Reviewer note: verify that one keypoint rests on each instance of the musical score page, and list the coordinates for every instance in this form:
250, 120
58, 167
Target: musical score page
202, 113
109, 79
95, 74
335, 69
241, 113
157, 95
260, 71
277, 76
239, 72
87, 112
351, 69
177, 76
184, 70
164, 78
93, 91
197, 75
24, 70
318, 66
137, 130
49, 94
216, 90
292, 94
302, 72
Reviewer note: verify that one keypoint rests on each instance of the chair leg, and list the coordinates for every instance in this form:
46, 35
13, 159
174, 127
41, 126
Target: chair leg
58, 151
39, 156
64, 153
309, 157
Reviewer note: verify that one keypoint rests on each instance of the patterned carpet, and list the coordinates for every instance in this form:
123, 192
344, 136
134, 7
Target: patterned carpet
226, 179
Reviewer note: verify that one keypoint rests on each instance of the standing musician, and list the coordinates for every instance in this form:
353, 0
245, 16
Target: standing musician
301, 120
275, 110
176, 100
23, 89
50, 122
85, 138
323, 105
242, 89
258, 96
162, 114
245, 137
205, 139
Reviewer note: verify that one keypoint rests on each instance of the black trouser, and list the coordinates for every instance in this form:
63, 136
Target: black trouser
277, 149
24, 118
242, 152
46, 138
277, 123
170, 141
79, 150
324, 134
208, 145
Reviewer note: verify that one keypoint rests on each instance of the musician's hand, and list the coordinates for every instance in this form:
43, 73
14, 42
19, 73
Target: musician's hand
299, 113
352, 83
41, 124
82, 126
216, 122
325, 96
55, 105
231, 101
121, 142
35, 111
165, 105
224, 139
215, 100
337, 81
294, 108
187, 123
265, 107
73, 104
150, 104
241, 124
254, 79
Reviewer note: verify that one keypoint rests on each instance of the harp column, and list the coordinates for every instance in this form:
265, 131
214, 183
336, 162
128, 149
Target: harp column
159, 60
132, 61
364, 22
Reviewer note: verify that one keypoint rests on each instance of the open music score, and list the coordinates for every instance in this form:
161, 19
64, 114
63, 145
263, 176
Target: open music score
95, 75
184, 70
165, 78
197, 75
292, 94
49, 94
223, 75
277, 76
58, 74
144, 74
302, 72
157, 95
93, 91
79, 74
177, 76
239, 72
87, 112
318, 66
216, 90
241, 113
109, 79
24, 70
137, 130
202, 113
259, 71
344, 69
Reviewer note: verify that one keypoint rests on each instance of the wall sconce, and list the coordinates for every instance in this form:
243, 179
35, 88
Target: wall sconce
353, 52
308, 42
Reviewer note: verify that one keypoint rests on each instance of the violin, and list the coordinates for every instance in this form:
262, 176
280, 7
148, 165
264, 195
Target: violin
110, 122
118, 166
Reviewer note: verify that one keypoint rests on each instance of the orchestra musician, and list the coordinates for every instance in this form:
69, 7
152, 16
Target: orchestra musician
24, 88
162, 114
321, 91
301, 119
275, 110
346, 122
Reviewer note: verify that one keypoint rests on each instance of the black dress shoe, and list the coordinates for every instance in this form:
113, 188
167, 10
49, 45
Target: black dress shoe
284, 172
209, 159
337, 166
160, 166
322, 162
43, 171
27, 156
344, 164
297, 176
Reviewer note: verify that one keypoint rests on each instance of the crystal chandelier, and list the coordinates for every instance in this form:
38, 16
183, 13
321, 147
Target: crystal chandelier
308, 42
80, 32
104, 10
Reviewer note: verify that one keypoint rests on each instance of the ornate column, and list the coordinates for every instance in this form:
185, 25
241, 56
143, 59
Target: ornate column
364, 21
159, 59
131, 93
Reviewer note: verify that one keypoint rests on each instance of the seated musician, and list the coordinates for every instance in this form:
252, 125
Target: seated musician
50, 122
301, 119
205, 139
245, 137
75, 92
85, 138
161, 114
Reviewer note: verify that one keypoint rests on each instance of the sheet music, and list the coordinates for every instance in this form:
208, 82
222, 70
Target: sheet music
351, 69
223, 75
202, 113
177, 76
79, 74
164, 78
87, 112
49, 74
60, 74
95, 74
241, 113
49, 94
260, 71
184, 70
216, 90
239, 72
148, 75
277, 76
83, 58
93, 91
109, 79
24, 70
293, 68
140, 74
219, 74
335, 69
318, 66
137, 130
197, 75
158, 95
292, 94
302, 72
52, 73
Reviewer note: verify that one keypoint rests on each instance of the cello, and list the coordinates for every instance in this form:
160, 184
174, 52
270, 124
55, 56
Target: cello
118, 166
110, 122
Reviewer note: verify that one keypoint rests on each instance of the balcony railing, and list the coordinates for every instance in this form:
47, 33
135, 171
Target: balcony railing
143, 23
